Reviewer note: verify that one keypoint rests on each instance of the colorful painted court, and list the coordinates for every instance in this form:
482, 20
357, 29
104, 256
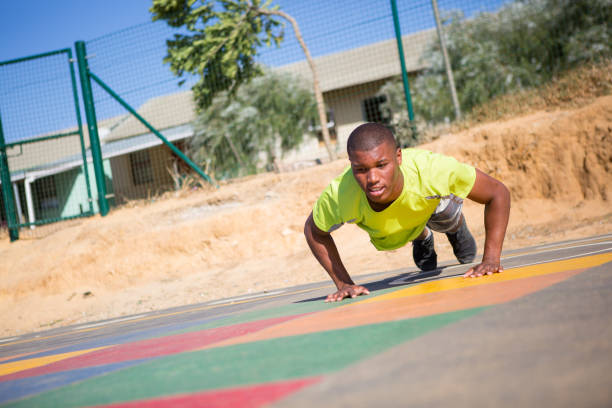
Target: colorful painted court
538, 334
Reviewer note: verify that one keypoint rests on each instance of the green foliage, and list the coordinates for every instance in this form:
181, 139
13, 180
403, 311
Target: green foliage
222, 39
521, 46
237, 134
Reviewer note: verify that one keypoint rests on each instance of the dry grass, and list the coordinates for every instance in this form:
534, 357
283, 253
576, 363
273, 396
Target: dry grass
570, 90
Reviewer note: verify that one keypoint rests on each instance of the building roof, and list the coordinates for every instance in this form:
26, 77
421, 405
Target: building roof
74, 158
163, 112
39, 153
365, 64
336, 71
172, 114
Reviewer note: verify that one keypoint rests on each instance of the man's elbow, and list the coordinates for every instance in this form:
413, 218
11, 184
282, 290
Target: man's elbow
308, 227
502, 194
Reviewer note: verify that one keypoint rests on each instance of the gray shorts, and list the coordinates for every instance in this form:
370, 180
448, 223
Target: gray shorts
447, 215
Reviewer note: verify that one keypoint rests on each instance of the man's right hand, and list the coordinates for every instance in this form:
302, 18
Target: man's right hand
347, 291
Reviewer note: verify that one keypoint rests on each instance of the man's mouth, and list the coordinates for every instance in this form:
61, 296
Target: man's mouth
376, 191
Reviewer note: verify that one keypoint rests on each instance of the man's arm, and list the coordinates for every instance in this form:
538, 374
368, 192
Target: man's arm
496, 198
324, 249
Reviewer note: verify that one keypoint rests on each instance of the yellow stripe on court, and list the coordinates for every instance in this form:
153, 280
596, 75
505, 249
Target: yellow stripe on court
508, 274
21, 365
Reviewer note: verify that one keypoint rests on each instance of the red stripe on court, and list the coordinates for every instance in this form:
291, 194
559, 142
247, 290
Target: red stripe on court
243, 397
150, 348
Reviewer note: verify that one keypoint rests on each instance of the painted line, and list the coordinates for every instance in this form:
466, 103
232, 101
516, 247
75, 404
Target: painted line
27, 387
18, 356
9, 368
401, 307
240, 397
209, 306
508, 274
592, 240
565, 247
605, 250
402, 280
255, 363
155, 316
92, 340
139, 350
248, 297
8, 339
107, 322
505, 258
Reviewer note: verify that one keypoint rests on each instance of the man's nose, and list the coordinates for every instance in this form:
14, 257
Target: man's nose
373, 176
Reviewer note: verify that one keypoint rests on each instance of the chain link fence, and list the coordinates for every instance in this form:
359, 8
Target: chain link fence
493, 47
42, 145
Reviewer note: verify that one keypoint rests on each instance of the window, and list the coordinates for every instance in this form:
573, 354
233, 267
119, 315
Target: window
45, 192
372, 111
142, 172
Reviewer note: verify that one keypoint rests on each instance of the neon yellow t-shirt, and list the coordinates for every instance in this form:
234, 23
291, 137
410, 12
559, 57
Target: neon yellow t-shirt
428, 177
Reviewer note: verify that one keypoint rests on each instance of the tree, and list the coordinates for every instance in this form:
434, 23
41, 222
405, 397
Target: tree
222, 42
264, 118
522, 45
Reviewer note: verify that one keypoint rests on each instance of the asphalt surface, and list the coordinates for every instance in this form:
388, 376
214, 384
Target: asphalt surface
540, 334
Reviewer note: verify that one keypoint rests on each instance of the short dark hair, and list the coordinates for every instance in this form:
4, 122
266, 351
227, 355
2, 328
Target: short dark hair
368, 136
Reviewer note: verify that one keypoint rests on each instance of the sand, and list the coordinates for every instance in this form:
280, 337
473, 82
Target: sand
246, 237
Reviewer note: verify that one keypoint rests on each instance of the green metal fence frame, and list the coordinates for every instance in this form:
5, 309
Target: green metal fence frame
7, 191
400, 51
86, 77
8, 197
92, 126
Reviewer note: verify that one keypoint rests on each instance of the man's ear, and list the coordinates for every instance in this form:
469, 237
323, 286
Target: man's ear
398, 154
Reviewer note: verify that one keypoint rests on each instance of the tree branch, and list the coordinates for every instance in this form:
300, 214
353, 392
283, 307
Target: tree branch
315, 77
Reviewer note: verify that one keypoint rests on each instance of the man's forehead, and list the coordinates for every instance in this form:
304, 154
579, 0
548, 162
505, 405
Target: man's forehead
383, 151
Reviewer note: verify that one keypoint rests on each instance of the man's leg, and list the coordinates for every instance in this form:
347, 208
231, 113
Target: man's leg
423, 251
449, 219
463, 243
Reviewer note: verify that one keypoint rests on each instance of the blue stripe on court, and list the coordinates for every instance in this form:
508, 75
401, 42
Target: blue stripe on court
113, 339
26, 387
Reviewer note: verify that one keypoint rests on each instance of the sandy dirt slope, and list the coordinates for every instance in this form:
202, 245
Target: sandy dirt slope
247, 236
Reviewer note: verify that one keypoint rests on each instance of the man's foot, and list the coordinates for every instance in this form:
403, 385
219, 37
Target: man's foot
424, 254
463, 243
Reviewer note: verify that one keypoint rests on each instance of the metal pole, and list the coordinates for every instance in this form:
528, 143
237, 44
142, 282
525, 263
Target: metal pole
75, 94
7, 190
18, 203
92, 126
449, 71
27, 185
400, 50
151, 128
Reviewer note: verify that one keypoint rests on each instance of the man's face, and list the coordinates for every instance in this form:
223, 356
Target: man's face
377, 172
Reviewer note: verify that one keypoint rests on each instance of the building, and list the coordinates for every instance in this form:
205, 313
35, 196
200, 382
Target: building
48, 178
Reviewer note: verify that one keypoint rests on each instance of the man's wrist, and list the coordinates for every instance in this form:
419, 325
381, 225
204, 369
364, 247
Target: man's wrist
487, 258
341, 284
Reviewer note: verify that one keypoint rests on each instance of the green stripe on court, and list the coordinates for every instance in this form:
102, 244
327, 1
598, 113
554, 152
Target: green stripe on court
243, 364
281, 311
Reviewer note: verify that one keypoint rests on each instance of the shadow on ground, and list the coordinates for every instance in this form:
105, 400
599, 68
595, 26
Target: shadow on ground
395, 281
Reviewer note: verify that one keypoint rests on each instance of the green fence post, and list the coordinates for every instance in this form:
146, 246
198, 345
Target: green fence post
92, 126
142, 120
75, 94
7, 190
400, 50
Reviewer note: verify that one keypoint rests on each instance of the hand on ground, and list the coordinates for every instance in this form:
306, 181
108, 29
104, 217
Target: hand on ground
347, 291
484, 268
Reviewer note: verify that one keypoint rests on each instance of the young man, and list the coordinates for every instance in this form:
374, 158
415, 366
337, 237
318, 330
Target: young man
398, 196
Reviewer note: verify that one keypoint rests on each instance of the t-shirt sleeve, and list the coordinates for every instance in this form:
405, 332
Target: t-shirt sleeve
449, 176
326, 210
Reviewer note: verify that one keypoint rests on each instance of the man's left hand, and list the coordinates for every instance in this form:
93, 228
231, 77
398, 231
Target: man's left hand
484, 268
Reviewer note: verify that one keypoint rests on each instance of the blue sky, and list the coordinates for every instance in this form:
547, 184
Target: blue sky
35, 97
36, 26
